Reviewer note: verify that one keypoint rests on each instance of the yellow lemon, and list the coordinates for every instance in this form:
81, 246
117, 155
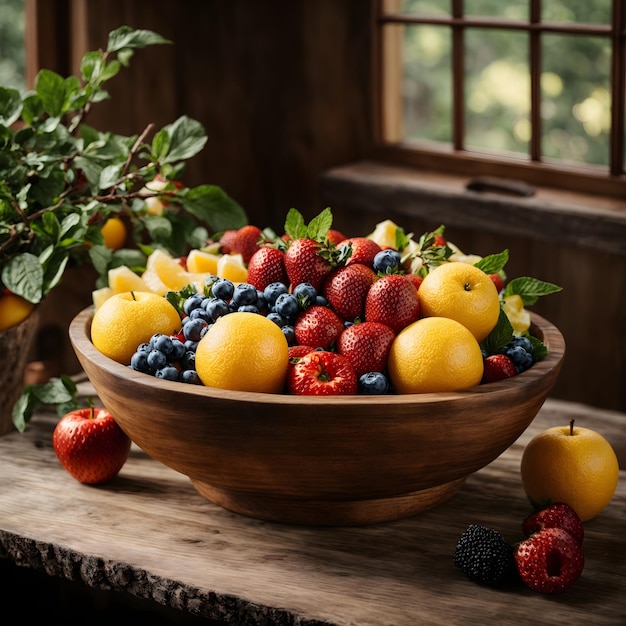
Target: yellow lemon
202, 261
519, 317
128, 319
243, 352
463, 293
165, 273
434, 354
99, 296
13, 310
232, 267
114, 233
570, 464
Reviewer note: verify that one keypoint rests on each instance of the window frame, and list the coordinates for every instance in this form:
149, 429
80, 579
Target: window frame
454, 158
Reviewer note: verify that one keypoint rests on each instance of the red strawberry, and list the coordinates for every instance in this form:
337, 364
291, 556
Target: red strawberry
557, 515
335, 236
244, 241
549, 561
440, 240
363, 250
345, 290
318, 326
415, 279
498, 281
297, 352
366, 346
392, 300
306, 262
321, 373
497, 367
266, 266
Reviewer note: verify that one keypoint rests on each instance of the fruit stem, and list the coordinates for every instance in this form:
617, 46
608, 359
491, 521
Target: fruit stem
571, 427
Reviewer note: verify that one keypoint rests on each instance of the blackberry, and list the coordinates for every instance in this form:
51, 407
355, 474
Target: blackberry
484, 556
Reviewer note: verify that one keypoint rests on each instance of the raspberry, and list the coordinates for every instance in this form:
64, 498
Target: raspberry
484, 556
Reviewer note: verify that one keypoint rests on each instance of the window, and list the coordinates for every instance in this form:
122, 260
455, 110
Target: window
525, 89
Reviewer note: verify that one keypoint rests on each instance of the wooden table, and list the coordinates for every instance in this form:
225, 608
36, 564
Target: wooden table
152, 535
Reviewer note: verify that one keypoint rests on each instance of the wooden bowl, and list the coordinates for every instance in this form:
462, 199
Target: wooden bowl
343, 460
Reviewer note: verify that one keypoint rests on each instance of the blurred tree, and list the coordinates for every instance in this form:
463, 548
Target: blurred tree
12, 54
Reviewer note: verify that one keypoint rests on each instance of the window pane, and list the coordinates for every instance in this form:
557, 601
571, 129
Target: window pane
12, 61
497, 90
576, 98
418, 7
514, 10
591, 11
427, 83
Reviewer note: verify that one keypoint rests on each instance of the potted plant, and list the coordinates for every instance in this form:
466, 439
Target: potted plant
62, 180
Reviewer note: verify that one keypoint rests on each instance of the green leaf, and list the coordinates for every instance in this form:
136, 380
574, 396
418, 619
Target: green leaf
211, 205
499, 336
319, 226
100, 257
160, 145
10, 106
530, 289
295, 226
127, 37
493, 263
23, 275
186, 137
50, 87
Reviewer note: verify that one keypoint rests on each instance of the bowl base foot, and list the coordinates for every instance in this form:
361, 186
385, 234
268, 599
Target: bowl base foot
329, 512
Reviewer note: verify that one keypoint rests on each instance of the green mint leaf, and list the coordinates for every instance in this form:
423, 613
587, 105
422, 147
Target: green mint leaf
402, 239
127, 37
213, 206
50, 87
295, 227
319, 226
10, 106
530, 289
493, 263
539, 349
499, 336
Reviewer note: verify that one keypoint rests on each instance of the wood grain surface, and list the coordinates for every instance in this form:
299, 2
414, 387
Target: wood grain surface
151, 534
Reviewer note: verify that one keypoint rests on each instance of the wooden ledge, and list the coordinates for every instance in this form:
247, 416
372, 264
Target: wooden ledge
549, 215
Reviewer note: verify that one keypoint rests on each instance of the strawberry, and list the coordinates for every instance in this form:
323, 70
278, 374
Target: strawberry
415, 279
322, 373
244, 241
298, 351
306, 261
498, 281
345, 290
266, 266
497, 367
392, 300
318, 326
556, 515
366, 346
549, 561
335, 236
363, 250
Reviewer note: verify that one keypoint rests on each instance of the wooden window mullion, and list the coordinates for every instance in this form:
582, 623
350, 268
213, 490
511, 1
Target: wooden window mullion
535, 81
458, 77
617, 90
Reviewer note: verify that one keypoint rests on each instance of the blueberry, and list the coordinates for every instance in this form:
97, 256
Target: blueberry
191, 346
190, 376
286, 305
521, 359
223, 288
386, 260
373, 383
156, 359
169, 372
143, 347
163, 344
139, 361
290, 334
193, 329
523, 342
200, 314
279, 320
273, 290
153, 340
188, 360
192, 302
216, 307
244, 294
261, 301
248, 308
305, 294
178, 349
320, 301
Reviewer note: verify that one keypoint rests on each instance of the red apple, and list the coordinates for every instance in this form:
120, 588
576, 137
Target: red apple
90, 445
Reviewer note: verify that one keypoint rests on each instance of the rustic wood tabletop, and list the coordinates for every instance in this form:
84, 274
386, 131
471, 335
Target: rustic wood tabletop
157, 538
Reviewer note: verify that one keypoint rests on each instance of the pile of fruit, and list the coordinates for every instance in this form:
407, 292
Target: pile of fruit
549, 559
383, 313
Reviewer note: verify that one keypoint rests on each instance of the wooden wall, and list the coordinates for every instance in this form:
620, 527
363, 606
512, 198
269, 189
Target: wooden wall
283, 90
